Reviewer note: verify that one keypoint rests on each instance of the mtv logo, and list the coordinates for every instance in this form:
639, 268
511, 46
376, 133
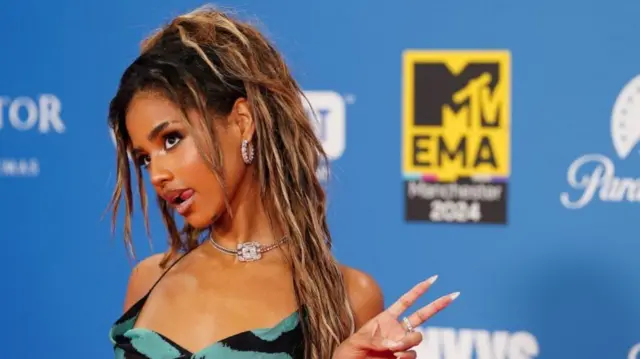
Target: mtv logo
328, 114
625, 118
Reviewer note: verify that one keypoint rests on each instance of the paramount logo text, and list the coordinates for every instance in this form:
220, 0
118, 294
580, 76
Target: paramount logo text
600, 181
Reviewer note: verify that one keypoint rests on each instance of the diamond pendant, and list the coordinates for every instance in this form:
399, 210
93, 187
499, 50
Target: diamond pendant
249, 251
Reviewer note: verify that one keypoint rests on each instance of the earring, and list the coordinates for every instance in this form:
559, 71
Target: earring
247, 152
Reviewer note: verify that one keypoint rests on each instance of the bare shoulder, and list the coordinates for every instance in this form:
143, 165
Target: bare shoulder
142, 278
365, 295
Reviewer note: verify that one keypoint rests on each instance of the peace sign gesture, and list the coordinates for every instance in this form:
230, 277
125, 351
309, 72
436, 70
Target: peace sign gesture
389, 336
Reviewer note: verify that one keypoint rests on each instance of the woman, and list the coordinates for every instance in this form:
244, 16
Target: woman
211, 112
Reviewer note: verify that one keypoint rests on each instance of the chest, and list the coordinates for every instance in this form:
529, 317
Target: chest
197, 308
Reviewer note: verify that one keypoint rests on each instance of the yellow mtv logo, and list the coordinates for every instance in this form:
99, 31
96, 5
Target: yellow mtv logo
457, 113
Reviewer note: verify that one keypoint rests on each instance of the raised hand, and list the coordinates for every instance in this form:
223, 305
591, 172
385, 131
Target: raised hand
389, 336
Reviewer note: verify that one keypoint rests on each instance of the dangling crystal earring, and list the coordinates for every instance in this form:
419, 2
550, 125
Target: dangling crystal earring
247, 152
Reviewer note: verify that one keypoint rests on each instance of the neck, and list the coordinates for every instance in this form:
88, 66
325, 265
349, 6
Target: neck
249, 221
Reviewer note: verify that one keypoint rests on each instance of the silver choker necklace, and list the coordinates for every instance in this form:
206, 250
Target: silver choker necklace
248, 251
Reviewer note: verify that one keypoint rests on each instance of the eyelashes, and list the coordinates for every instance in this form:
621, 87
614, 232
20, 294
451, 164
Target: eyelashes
170, 141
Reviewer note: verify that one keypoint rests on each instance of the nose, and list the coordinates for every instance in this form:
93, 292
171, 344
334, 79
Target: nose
159, 173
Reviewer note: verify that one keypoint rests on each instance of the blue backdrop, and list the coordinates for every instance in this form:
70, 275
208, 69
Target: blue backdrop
556, 278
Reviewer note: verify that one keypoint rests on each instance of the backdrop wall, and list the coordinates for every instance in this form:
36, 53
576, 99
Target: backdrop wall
532, 109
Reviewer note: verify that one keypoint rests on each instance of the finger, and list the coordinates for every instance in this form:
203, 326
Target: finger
409, 341
431, 309
376, 329
410, 354
381, 344
407, 299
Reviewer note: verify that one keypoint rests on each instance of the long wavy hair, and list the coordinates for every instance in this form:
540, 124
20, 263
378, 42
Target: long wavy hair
205, 60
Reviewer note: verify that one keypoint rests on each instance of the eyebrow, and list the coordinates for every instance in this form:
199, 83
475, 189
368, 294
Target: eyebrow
157, 130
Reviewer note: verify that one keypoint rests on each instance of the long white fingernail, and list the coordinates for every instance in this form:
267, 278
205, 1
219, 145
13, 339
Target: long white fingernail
432, 279
453, 296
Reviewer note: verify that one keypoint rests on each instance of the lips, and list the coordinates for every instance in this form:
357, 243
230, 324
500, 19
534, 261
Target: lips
180, 200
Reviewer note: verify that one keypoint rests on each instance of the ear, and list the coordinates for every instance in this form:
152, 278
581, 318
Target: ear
242, 117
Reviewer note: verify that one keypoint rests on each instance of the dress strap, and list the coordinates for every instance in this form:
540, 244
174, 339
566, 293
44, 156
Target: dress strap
167, 270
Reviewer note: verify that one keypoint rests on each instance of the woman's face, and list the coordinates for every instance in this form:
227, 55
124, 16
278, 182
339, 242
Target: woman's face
161, 143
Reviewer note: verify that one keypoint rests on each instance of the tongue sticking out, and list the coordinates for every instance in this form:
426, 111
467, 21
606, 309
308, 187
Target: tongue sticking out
186, 194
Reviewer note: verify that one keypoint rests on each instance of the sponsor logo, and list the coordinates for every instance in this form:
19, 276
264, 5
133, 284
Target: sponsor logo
456, 135
19, 167
327, 111
449, 343
41, 114
634, 353
593, 175
26, 113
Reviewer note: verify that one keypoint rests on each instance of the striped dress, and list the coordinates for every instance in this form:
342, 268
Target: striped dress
282, 341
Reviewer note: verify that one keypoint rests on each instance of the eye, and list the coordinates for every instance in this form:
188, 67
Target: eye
172, 139
143, 161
